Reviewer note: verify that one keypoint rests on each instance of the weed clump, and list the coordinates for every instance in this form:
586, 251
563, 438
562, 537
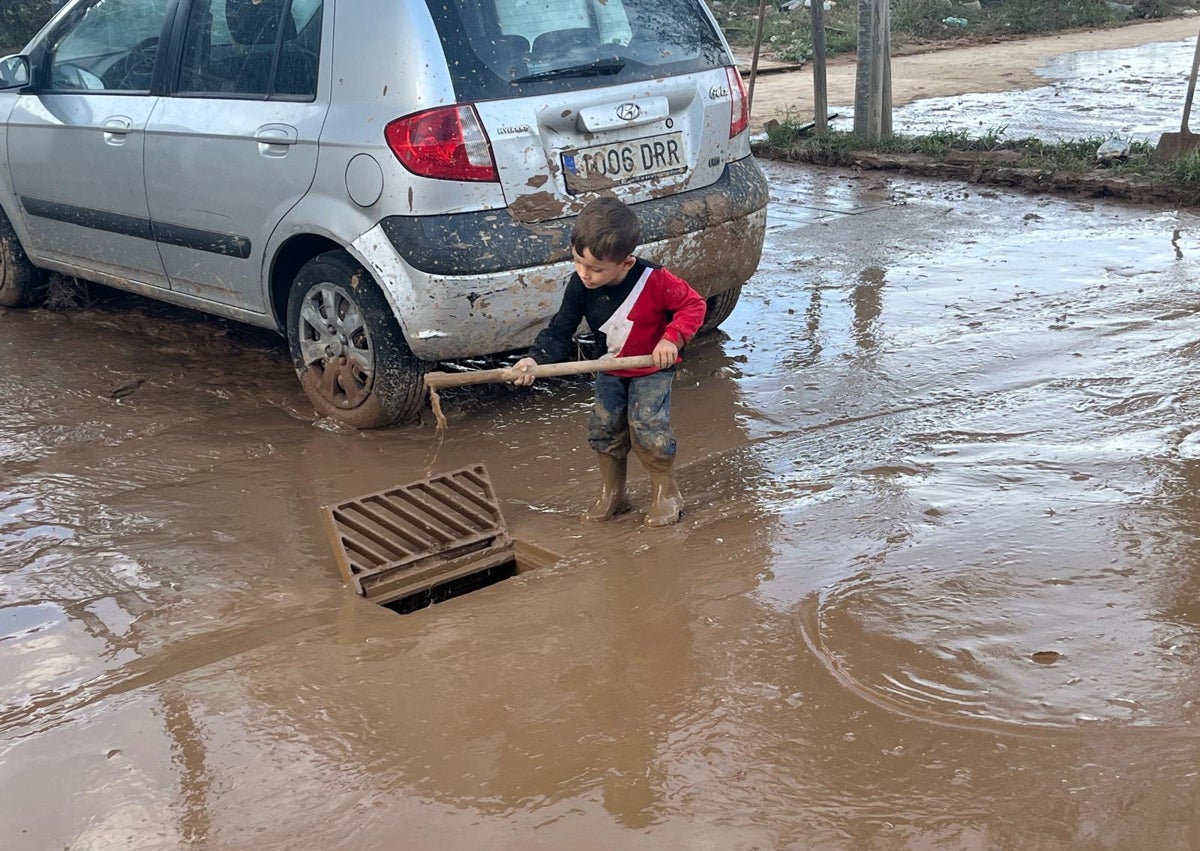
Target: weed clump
66, 293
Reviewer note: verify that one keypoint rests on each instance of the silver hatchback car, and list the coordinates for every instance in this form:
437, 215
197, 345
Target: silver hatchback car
389, 184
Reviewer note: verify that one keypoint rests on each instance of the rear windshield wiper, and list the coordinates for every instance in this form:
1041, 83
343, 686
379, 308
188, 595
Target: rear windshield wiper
588, 69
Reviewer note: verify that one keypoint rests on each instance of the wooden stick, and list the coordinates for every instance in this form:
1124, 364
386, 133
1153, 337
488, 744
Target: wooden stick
758, 37
436, 380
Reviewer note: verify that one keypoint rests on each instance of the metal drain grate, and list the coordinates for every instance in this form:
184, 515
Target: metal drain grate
409, 539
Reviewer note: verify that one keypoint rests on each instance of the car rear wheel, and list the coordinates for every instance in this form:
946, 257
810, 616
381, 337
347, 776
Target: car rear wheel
719, 308
21, 283
348, 350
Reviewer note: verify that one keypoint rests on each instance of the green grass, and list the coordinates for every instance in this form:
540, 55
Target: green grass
1187, 168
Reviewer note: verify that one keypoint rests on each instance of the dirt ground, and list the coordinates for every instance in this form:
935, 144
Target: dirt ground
997, 67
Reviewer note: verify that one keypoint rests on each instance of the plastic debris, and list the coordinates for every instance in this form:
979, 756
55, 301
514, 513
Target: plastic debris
962, 23
789, 5
1113, 150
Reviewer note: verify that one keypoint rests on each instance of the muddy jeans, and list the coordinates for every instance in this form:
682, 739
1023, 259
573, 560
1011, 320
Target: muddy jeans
633, 407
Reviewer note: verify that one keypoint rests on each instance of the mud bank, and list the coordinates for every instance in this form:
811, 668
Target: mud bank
980, 168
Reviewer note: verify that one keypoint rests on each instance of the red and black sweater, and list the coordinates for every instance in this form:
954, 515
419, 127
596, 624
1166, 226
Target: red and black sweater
666, 308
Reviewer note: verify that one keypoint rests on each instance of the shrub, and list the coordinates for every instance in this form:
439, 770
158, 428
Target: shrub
1155, 8
19, 21
1027, 16
920, 18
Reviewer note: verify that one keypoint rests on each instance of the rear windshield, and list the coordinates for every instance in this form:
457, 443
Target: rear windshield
511, 48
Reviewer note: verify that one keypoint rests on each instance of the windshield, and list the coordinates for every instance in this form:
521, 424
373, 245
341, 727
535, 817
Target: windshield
510, 48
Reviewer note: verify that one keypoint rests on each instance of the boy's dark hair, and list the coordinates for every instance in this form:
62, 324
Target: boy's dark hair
608, 229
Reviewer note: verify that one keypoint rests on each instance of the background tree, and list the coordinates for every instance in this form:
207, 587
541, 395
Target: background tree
20, 20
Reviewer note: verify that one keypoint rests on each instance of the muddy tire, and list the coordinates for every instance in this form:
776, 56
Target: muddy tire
348, 350
719, 308
21, 283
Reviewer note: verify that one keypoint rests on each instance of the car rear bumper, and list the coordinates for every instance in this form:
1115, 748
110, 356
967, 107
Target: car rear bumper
445, 317
491, 241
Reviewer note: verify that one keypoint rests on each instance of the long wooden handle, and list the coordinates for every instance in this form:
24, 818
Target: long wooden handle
1191, 91
435, 380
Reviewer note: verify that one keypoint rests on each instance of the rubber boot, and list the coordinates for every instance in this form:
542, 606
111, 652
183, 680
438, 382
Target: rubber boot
666, 503
613, 472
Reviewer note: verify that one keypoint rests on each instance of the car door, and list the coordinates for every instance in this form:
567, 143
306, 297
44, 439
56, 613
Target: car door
235, 146
76, 142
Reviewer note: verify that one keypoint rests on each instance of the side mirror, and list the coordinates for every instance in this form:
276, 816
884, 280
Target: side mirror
14, 72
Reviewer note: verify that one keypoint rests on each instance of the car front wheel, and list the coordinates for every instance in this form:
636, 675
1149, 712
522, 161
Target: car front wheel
21, 283
349, 352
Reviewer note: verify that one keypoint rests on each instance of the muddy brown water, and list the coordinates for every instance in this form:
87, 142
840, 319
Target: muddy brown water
936, 585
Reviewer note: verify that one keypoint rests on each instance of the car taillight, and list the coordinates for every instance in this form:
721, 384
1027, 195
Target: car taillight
447, 143
739, 104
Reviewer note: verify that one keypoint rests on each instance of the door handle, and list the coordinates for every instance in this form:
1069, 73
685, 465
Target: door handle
118, 124
276, 134
116, 129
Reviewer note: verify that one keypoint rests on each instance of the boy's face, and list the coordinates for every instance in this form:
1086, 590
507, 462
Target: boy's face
596, 273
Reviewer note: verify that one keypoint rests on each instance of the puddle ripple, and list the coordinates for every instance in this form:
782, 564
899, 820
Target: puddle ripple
1005, 652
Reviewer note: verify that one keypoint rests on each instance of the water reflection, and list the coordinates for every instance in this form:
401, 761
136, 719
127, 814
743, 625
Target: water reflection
1180, 611
189, 755
867, 298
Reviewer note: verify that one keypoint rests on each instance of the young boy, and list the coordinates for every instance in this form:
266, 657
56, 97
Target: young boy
634, 308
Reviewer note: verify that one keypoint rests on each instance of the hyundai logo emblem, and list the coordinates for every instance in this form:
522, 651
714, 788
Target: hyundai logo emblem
628, 111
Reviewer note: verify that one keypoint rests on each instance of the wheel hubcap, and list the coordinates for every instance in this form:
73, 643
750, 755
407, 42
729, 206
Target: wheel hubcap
336, 346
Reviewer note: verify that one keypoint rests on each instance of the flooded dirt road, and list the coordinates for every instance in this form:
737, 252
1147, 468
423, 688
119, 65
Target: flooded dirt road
936, 585
1133, 92
1005, 72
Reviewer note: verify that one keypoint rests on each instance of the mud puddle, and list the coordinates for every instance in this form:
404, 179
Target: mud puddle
935, 586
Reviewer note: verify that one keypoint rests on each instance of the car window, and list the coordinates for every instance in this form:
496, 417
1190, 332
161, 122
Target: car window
110, 47
532, 20
304, 11
510, 48
252, 48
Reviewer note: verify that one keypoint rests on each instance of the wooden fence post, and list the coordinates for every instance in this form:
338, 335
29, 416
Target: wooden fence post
873, 74
862, 70
820, 82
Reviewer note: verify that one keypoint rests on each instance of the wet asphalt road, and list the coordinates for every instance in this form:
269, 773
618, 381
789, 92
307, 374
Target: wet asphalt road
936, 586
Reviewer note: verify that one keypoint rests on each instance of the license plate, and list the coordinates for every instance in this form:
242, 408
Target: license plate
590, 169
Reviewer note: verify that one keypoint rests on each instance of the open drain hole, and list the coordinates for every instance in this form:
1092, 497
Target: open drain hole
527, 557
450, 590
